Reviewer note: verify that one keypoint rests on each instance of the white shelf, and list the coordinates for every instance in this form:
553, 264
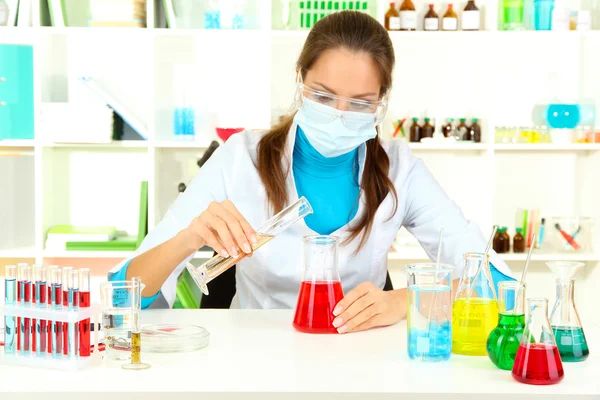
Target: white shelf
24, 252
10, 143
548, 147
551, 256
115, 144
449, 147
175, 144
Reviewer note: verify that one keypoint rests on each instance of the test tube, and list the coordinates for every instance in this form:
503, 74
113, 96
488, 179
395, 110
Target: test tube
136, 331
20, 266
39, 326
84, 302
65, 303
50, 305
72, 343
55, 281
25, 330
10, 299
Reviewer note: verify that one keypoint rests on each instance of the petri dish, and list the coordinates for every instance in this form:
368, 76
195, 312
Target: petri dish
173, 338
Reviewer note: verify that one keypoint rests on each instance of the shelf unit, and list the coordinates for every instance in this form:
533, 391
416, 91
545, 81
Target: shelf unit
495, 76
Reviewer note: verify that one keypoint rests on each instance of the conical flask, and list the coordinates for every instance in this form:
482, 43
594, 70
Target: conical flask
564, 318
538, 361
214, 267
503, 342
321, 287
475, 309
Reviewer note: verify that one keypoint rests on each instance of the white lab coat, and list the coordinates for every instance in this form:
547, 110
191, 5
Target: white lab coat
271, 277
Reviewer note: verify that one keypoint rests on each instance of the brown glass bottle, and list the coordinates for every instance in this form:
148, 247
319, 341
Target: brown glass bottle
408, 16
450, 20
427, 129
475, 130
471, 19
448, 128
501, 241
519, 242
392, 18
463, 130
431, 21
415, 131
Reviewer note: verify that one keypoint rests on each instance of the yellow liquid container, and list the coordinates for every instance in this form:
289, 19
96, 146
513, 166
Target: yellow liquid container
472, 322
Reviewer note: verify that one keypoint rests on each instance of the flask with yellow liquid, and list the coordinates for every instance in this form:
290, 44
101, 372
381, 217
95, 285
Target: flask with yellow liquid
475, 309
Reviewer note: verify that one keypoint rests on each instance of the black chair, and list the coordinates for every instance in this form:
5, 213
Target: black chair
222, 290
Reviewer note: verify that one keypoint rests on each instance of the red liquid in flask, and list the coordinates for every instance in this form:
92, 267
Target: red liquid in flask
84, 326
316, 301
538, 364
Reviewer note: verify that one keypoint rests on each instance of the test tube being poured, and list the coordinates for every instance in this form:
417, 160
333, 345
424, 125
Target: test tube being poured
65, 303
10, 299
214, 267
84, 302
40, 334
72, 343
136, 330
25, 329
57, 337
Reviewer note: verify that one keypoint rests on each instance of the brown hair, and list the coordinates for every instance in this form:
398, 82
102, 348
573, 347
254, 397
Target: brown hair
356, 32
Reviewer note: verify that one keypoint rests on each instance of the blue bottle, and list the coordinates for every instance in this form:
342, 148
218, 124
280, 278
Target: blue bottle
543, 14
560, 116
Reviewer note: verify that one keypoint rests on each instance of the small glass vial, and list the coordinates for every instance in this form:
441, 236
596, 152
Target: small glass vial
471, 19
392, 18
450, 20
431, 22
408, 16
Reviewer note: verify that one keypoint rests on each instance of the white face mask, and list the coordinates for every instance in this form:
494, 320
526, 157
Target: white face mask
333, 132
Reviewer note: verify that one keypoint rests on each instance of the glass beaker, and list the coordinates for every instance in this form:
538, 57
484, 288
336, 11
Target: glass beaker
321, 288
475, 309
503, 342
564, 318
429, 311
538, 361
214, 267
120, 311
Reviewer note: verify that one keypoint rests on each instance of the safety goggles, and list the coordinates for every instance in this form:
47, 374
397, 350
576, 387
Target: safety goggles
359, 111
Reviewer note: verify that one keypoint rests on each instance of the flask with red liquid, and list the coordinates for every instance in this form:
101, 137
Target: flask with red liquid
538, 361
320, 289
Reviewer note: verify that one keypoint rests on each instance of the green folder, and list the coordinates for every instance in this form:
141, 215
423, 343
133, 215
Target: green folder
122, 243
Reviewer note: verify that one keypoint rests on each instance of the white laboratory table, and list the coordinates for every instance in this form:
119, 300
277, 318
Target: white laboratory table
256, 354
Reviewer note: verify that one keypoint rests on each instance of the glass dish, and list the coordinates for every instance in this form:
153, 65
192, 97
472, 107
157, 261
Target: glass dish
173, 338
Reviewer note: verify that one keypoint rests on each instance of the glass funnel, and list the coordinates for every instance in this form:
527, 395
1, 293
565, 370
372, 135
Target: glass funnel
214, 267
429, 311
475, 309
503, 342
538, 361
564, 318
321, 288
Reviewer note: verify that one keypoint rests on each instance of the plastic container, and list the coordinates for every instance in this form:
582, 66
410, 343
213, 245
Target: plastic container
569, 234
174, 338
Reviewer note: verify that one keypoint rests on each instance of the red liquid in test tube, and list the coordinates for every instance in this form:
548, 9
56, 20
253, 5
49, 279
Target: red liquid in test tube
84, 302
65, 303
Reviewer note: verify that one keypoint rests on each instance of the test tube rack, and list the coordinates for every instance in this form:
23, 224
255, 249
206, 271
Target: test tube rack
46, 360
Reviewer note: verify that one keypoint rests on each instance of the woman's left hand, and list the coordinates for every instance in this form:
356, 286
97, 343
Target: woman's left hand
367, 306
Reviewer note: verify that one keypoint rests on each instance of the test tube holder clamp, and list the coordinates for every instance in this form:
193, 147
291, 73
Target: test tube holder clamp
93, 313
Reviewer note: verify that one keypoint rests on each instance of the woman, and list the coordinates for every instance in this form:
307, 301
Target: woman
361, 190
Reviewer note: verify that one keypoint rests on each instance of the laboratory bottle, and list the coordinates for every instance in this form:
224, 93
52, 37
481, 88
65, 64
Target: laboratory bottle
392, 18
463, 130
471, 19
503, 342
519, 242
320, 288
543, 10
538, 361
512, 14
415, 131
3, 13
450, 20
506, 239
499, 244
475, 309
429, 315
475, 130
431, 22
427, 129
564, 318
408, 16
448, 129
214, 267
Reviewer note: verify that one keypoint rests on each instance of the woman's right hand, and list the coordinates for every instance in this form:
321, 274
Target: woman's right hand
222, 227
